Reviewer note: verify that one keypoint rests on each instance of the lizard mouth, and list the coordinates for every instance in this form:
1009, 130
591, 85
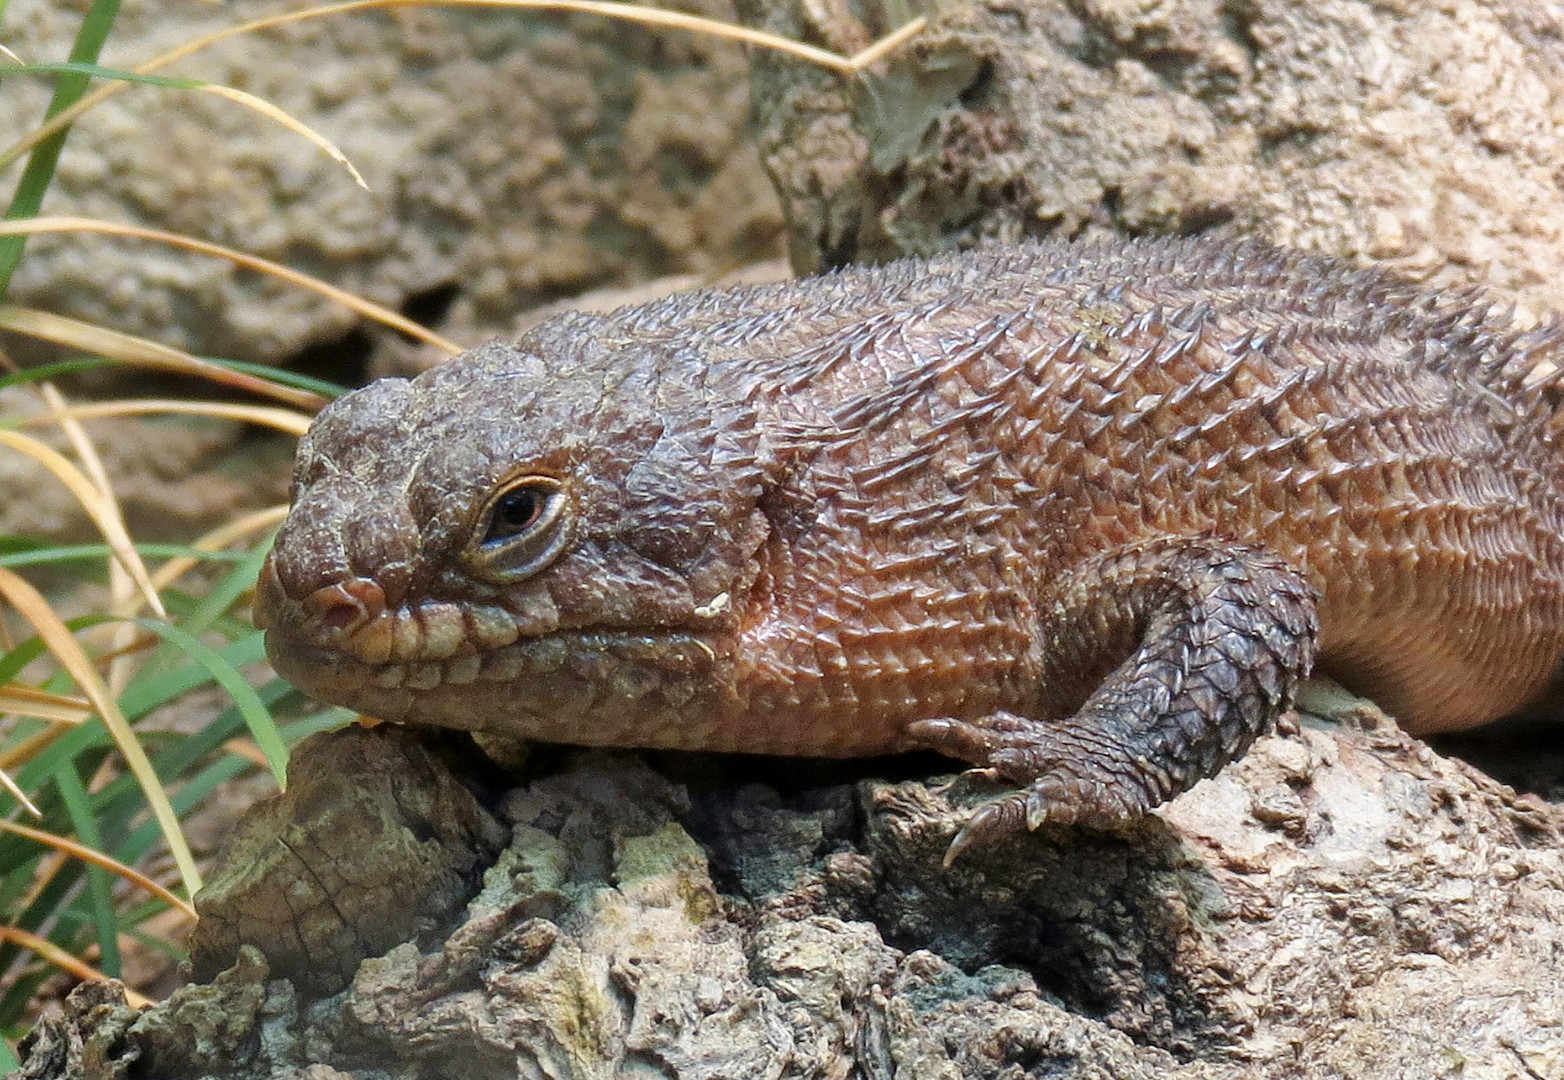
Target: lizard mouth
458, 666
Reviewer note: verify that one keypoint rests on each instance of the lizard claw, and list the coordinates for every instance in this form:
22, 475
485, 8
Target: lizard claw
987, 823
1036, 808
1046, 800
995, 820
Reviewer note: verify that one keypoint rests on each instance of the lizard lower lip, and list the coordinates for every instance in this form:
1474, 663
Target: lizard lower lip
566, 664
323, 673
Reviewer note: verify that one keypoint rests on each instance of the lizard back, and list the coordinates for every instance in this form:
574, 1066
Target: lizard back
983, 424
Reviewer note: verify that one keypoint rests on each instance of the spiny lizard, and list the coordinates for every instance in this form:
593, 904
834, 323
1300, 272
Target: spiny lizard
1080, 515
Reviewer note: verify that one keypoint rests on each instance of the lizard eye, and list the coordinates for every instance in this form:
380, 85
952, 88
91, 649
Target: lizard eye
516, 511
522, 528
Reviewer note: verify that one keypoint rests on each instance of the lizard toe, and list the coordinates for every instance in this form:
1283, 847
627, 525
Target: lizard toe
975, 741
993, 821
1056, 798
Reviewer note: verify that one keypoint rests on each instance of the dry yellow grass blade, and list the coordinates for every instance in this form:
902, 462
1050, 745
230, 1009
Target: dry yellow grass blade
367, 308
97, 858
847, 65
234, 531
246, 748
86, 452
61, 711
272, 112
104, 514
19, 699
62, 959
32, 746
18, 794
49, 866
68, 651
240, 528
100, 341
874, 53
122, 585
284, 420
647, 16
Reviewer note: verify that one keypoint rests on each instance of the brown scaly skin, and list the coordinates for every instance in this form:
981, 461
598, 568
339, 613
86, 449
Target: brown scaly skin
1082, 516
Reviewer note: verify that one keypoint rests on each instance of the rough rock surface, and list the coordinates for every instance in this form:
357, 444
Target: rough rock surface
174, 477
373, 841
512, 158
1341, 903
1427, 136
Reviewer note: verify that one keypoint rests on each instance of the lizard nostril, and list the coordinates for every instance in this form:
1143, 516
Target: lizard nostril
347, 605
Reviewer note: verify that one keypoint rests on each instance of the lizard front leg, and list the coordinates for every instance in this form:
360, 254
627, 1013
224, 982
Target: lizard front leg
1218, 634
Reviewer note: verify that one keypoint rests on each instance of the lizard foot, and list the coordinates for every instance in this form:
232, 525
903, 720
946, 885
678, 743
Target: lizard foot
1222, 632
1063, 778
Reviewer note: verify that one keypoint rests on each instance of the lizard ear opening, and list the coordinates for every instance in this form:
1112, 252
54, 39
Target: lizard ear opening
524, 526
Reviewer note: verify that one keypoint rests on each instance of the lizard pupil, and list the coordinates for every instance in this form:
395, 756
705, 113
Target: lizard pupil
515, 512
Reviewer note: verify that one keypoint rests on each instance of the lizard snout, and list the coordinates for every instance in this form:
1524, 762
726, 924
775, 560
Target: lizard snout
342, 609
348, 617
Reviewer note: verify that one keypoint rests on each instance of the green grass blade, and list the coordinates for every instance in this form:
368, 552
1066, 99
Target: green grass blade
93, 363
222, 595
121, 798
32, 776
144, 694
148, 941
256, 716
194, 791
201, 784
54, 370
147, 692
9, 1062
325, 720
99, 884
19, 551
42, 917
39, 173
97, 71
285, 378
12, 663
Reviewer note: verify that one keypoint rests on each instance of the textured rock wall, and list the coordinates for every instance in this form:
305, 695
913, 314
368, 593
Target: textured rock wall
1425, 135
511, 157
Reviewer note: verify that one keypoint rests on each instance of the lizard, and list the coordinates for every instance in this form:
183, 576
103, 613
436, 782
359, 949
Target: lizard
1082, 516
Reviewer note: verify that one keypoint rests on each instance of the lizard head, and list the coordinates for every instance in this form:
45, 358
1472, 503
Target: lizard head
549, 538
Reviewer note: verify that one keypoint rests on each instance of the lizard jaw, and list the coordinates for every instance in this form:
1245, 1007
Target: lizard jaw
585, 686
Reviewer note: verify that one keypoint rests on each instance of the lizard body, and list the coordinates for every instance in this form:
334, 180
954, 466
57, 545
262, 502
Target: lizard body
1082, 516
